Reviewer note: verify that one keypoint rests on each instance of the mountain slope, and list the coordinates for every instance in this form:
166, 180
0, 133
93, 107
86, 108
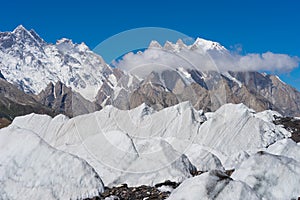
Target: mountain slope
282, 97
31, 63
63, 100
207, 91
14, 102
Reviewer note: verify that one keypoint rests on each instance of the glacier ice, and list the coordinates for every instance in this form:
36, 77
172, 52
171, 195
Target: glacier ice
32, 169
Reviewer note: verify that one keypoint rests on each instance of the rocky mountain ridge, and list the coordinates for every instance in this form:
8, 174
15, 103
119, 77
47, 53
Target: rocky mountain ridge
71, 79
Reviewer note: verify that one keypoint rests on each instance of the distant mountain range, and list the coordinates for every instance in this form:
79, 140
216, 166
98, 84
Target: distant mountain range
69, 78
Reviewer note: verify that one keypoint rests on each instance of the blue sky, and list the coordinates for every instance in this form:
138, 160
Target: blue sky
258, 26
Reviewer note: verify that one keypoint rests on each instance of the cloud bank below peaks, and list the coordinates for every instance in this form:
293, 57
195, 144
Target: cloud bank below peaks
203, 55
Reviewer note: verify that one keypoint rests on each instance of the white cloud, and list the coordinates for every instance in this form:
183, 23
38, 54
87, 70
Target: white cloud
268, 61
154, 59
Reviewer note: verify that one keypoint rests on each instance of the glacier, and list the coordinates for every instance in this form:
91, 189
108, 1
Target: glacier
136, 145
32, 169
270, 176
213, 185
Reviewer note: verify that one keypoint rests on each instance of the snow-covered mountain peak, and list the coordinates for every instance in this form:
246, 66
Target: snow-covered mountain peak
169, 46
83, 47
178, 46
154, 44
208, 45
64, 41
204, 45
30, 63
181, 44
19, 29
21, 32
37, 37
20, 35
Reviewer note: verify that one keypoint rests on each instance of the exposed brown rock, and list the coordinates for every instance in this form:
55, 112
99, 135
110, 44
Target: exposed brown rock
63, 100
280, 96
4, 122
14, 102
154, 95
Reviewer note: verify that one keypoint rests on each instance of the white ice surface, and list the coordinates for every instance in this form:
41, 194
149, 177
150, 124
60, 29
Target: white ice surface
270, 176
32, 169
142, 146
212, 185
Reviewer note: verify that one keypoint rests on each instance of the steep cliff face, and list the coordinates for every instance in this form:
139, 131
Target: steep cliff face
62, 99
14, 102
282, 97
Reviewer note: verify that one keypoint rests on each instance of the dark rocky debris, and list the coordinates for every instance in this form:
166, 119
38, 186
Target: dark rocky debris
124, 192
291, 124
